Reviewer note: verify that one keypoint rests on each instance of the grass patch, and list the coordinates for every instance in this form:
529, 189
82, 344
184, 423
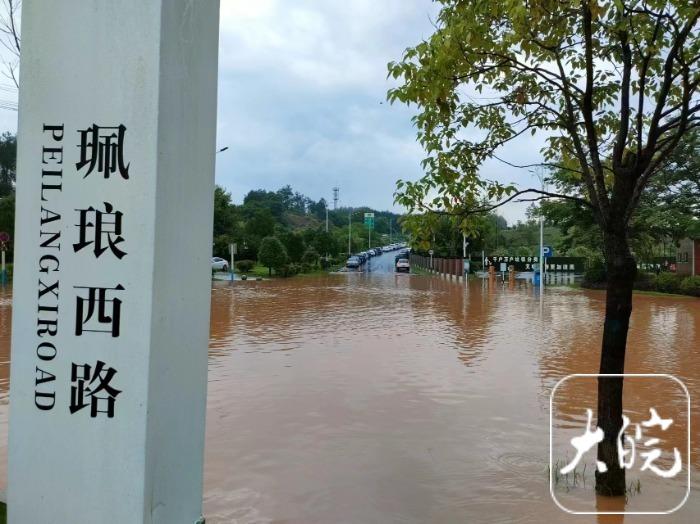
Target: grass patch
419, 271
582, 476
262, 272
3, 513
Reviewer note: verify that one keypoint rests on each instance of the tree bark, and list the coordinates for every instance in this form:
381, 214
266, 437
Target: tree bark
621, 271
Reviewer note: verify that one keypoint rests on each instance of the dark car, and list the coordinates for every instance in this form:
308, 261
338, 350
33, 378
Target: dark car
404, 253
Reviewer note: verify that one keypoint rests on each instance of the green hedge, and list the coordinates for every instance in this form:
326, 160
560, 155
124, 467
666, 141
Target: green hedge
690, 286
245, 265
668, 282
664, 282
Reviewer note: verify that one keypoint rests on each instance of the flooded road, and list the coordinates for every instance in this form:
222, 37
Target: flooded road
371, 397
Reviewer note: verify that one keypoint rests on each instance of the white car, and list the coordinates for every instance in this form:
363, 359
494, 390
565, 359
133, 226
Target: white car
219, 264
404, 265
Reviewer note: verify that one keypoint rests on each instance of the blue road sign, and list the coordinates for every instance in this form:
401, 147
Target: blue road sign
547, 251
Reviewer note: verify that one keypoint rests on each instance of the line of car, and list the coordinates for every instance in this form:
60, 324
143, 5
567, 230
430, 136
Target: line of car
358, 260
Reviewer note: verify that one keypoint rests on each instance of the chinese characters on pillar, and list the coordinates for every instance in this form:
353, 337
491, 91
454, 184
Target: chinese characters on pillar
99, 235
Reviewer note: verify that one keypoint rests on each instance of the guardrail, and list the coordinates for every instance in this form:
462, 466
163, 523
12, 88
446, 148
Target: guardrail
449, 268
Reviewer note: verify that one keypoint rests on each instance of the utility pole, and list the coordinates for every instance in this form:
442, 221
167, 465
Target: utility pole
349, 231
390, 231
326, 218
336, 197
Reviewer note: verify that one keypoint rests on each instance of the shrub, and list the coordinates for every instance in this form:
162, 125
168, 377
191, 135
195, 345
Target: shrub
645, 281
595, 272
668, 282
288, 270
245, 265
310, 257
690, 286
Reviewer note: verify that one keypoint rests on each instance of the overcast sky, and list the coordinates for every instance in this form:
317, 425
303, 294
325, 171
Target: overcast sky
302, 100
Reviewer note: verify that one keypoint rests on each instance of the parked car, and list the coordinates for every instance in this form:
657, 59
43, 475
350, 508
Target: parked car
219, 264
353, 262
401, 255
403, 264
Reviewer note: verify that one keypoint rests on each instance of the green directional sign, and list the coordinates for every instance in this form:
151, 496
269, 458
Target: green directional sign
369, 220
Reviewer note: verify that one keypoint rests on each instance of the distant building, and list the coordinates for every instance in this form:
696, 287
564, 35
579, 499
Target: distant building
688, 258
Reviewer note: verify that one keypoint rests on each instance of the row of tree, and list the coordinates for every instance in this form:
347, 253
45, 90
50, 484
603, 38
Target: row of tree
8, 156
298, 222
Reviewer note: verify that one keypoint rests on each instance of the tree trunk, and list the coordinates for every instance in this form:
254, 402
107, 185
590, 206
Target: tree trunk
621, 271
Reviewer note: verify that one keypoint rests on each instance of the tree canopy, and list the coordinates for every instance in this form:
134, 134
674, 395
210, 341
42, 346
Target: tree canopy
272, 253
8, 156
611, 86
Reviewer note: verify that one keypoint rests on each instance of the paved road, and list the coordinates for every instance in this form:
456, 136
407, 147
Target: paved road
384, 263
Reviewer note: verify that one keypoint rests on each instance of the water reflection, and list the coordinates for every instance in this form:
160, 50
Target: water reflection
376, 398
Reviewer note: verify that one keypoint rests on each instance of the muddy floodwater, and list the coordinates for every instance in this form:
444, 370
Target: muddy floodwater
375, 398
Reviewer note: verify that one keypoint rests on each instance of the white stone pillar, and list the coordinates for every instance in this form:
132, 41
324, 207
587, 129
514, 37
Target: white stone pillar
117, 124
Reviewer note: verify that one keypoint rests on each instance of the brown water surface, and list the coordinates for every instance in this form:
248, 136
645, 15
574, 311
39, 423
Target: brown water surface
381, 398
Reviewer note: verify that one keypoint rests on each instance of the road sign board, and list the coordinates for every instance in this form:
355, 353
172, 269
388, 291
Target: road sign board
369, 220
547, 251
431, 252
4, 237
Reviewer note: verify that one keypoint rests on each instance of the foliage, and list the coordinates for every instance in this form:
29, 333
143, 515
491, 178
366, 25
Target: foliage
310, 257
289, 270
245, 265
664, 282
690, 286
611, 87
272, 254
7, 222
668, 282
295, 245
595, 272
298, 221
325, 243
668, 210
8, 155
